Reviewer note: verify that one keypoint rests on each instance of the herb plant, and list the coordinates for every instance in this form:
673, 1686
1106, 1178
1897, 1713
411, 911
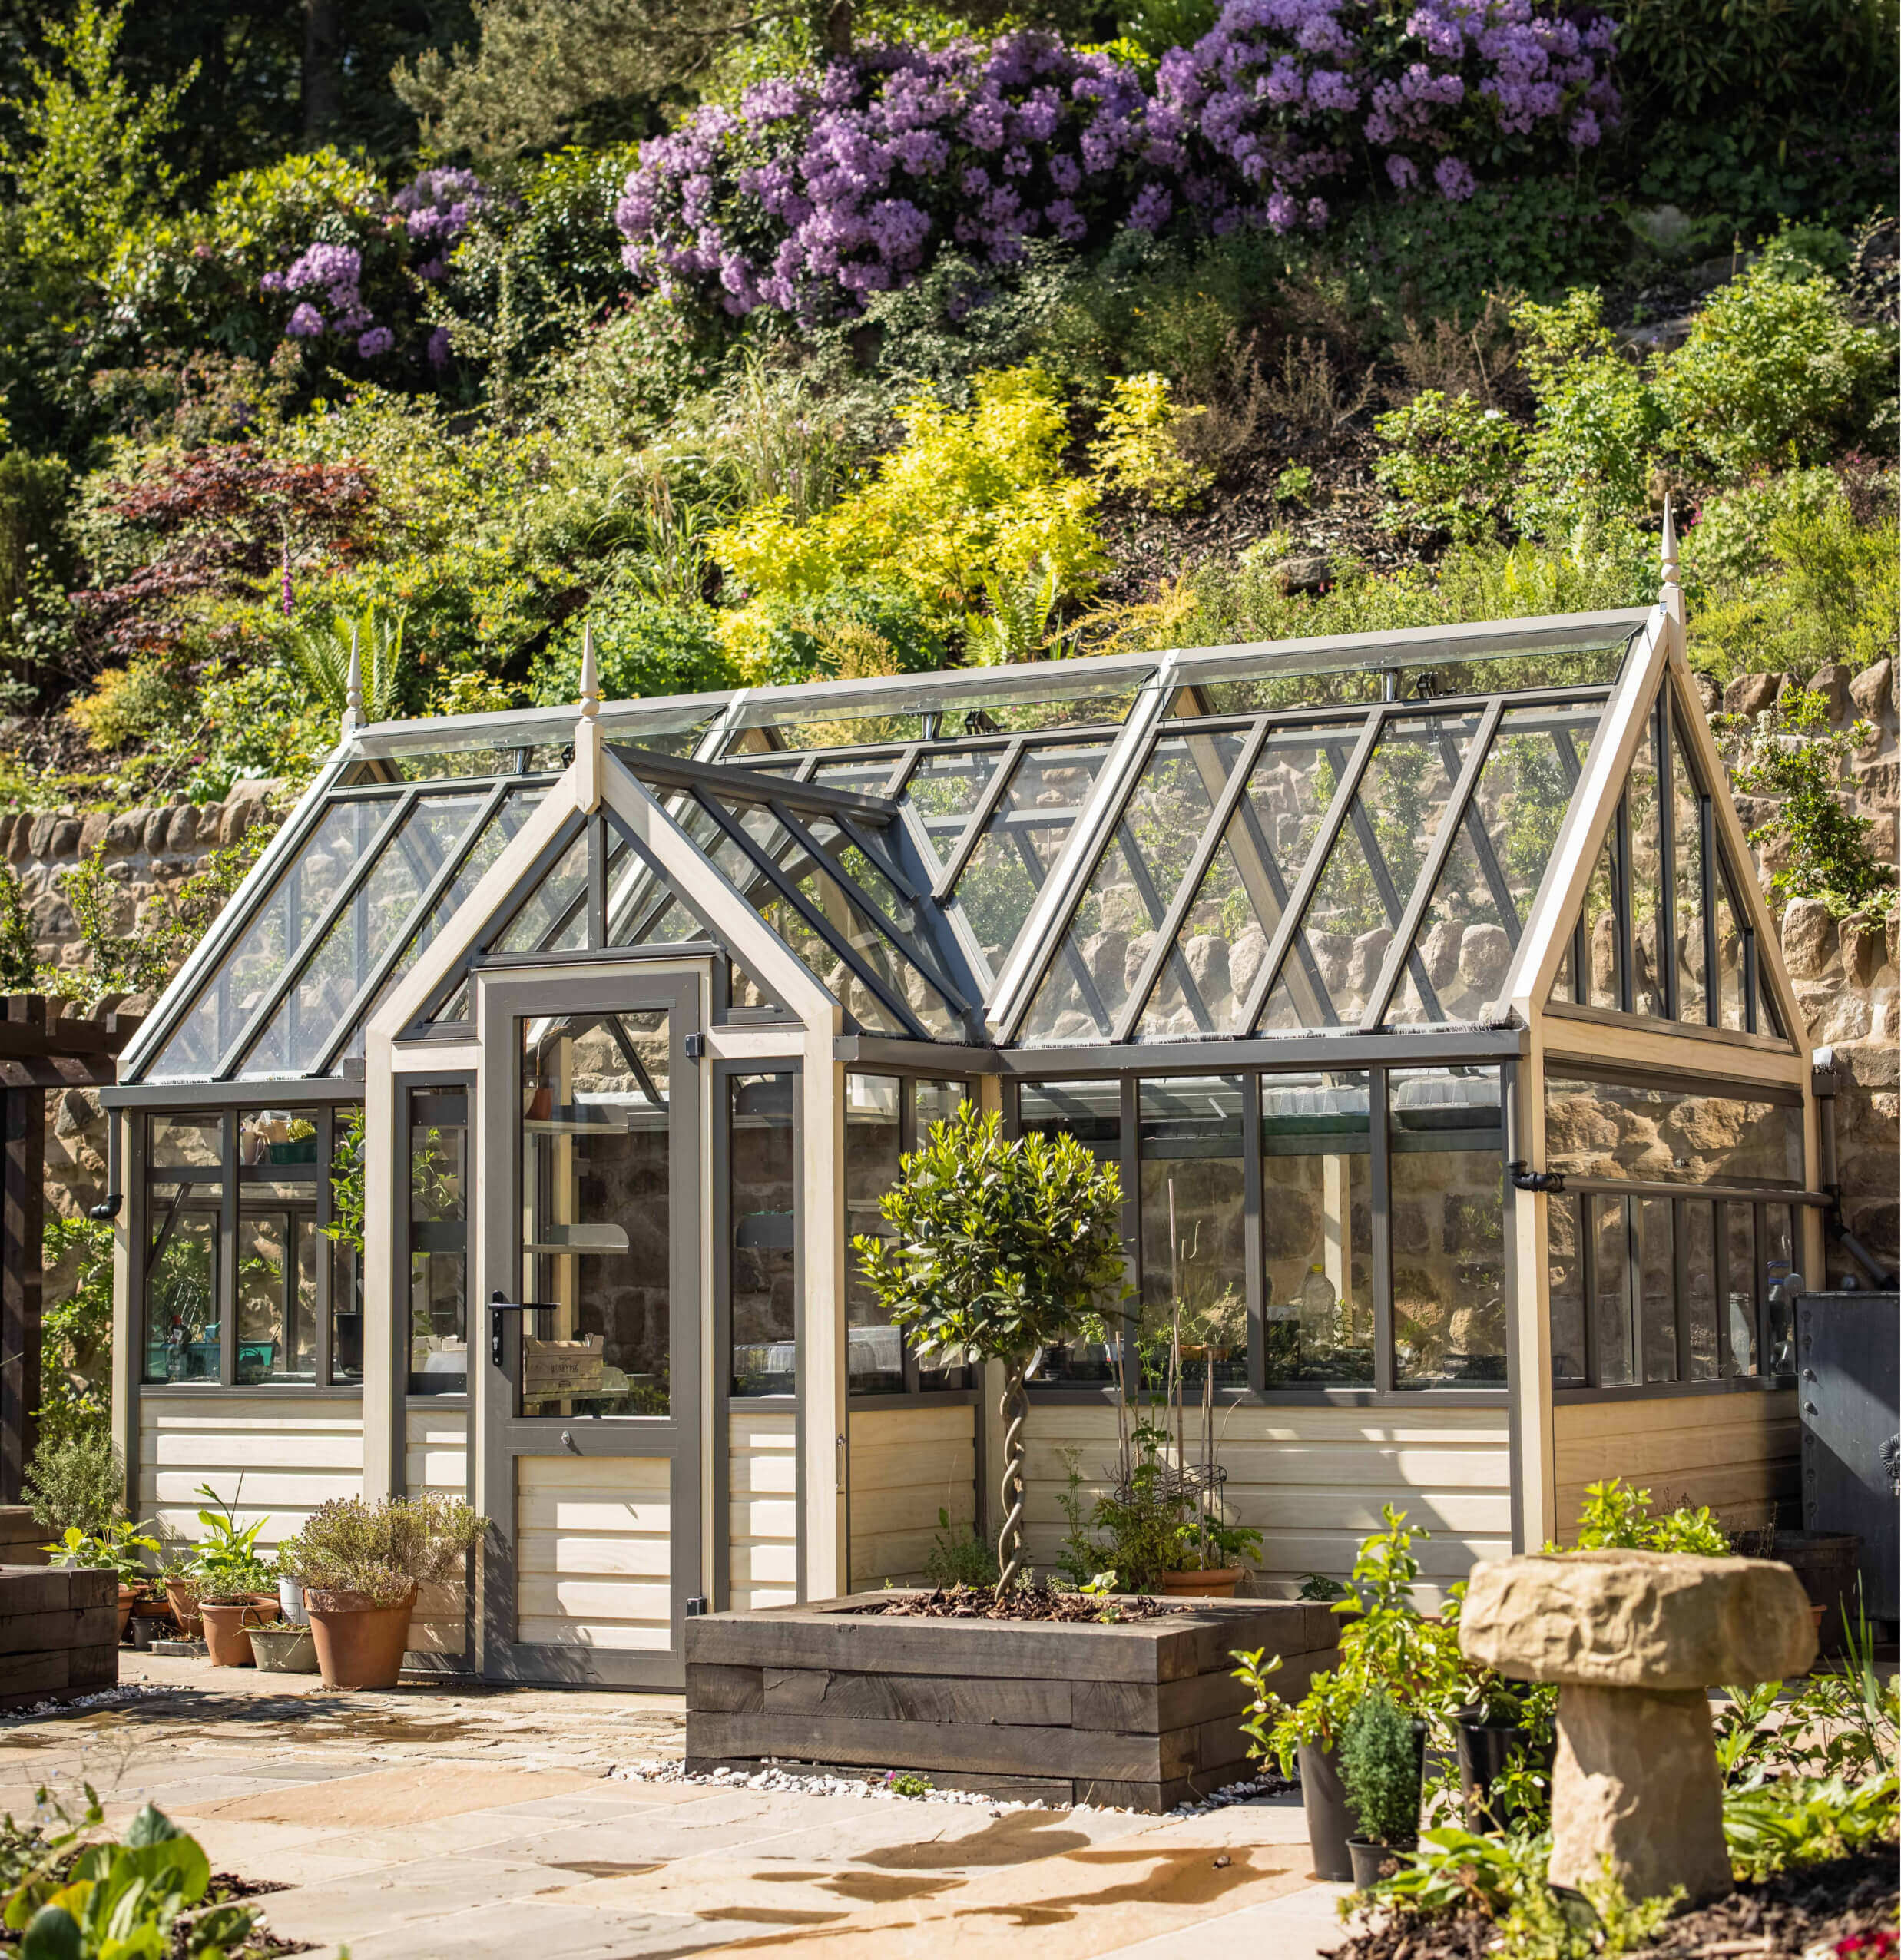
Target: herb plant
1379, 1771
119, 1548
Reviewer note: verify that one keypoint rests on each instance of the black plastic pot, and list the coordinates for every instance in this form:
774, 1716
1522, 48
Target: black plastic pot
1329, 1825
1484, 1748
1372, 1862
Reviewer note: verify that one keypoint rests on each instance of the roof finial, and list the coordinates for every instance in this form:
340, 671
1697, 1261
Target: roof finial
590, 676
1672, 592
353, 684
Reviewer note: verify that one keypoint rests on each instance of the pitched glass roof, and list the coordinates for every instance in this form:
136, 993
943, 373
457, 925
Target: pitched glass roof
1218, 842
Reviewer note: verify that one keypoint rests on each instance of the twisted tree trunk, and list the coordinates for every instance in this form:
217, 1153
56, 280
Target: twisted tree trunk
1012, 1408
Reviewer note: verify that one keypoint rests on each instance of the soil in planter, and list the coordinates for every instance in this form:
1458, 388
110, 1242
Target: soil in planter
1779, 1920
1022, 1603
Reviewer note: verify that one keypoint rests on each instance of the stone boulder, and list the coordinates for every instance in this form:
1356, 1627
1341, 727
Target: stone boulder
1634, 1640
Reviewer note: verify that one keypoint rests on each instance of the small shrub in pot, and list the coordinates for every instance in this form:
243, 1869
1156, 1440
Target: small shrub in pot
1380, 1762
361, 1563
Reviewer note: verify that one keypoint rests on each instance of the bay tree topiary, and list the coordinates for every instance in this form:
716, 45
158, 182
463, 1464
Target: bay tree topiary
995, 1248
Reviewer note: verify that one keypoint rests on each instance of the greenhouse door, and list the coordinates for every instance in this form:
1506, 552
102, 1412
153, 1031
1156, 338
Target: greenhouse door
589, 1328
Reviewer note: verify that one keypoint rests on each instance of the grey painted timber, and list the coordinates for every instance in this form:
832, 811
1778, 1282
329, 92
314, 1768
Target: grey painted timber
1144, 1713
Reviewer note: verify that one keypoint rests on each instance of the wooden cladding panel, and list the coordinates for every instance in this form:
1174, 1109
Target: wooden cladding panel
1312, 1481
593, 1562
907, 1465
762, 1508
1741, 1454
436, 1450
279, 1457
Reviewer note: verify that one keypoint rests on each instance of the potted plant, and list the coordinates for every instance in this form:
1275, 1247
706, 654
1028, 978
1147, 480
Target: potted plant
361, 1563
283, 1646
1386, 1645
290, 1583
1382, 1765
995, 1248
1505, 1736
230, 1581
118, 1547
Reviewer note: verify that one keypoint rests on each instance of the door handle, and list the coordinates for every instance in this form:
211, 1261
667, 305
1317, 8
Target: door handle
497, 1307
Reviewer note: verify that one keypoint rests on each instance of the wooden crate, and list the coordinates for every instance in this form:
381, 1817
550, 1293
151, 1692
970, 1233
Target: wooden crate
1144, 1714
59, 1632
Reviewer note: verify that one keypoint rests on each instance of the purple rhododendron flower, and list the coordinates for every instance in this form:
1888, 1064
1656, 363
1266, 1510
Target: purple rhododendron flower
1454, 180
378, 340
305, 323
439, 348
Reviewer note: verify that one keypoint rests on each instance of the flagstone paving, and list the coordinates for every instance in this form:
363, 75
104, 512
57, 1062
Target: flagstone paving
456, 1822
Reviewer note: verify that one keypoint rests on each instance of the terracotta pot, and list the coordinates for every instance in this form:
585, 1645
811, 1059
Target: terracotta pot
358, 1645
224, 1633
128, 1595
183, 1602
1217, 1582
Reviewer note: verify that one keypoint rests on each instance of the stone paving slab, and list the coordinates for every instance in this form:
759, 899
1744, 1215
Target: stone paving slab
487, 1825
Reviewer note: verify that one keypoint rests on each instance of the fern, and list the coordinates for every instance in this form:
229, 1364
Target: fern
322, 656
1016, 628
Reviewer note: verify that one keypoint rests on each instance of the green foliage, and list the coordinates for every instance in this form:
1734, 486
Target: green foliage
346, 1228
1379, 1756
1017, 626
1450, 466
1599, 422
908, 1782
1792, 755
1617, 1516
645, 645
76, 1331
76, 1483
958, 1557
119, 1546
323, 655
1155, 1521
105, 1901
1774, 371
1455, 1870
1794, 1821
225, 1563
33, 545
383, 1549
1607, 1923
998, 1246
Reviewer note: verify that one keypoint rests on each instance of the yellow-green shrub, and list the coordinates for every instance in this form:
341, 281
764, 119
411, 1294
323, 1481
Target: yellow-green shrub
969, 493
1138, 452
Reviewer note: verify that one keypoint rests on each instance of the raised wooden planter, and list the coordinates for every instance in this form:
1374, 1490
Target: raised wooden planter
59, 1632
1144, 1714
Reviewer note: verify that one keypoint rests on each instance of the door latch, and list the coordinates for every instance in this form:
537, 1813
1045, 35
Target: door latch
497, 1307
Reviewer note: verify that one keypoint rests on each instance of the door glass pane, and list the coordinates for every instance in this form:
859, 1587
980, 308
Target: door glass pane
1700, 1283
1739, 1273
874, 1353
1611, 1267
277, 1173
763, 1254
181, 1282
1194, 1266
1657, 1289
1445, 1129
1566, 1267
596, 1214
1316, 1229
1091, 1112
438, 1241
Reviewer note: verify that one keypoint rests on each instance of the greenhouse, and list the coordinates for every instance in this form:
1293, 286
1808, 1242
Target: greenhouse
508, 1132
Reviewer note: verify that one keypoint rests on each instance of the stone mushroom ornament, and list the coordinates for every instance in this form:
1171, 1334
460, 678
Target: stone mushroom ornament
1634, 1640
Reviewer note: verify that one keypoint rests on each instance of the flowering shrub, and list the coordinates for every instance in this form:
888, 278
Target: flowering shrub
408, 240
1286, 95
826, 186
838, 182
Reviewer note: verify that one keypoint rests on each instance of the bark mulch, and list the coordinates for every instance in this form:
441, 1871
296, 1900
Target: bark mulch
1817, 1907
1022, 1603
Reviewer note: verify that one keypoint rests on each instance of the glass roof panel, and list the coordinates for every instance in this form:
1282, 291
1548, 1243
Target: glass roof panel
1484, 897
1241, 901
1375, 859
376, 917
1023, 839
944, 788
282, 927
1128, 894
554, 917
